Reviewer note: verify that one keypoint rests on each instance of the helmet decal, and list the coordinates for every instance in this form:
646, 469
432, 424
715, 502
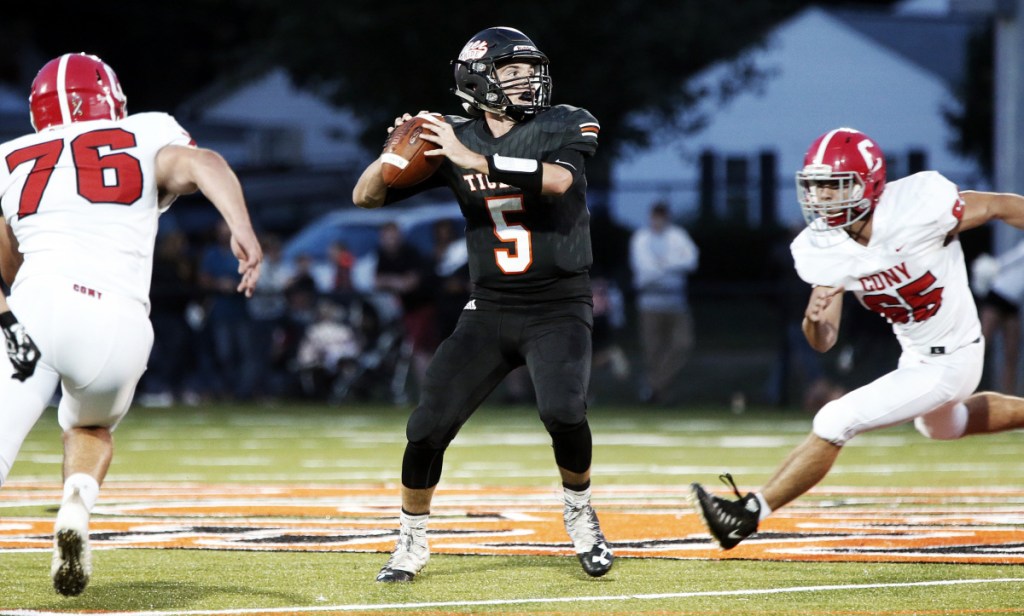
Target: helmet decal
474, 50
476, 75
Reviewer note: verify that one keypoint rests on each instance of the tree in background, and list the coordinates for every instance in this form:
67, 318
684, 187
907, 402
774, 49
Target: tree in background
974, 121
629, 62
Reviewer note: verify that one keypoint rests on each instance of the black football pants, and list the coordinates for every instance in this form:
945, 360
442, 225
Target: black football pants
554, 344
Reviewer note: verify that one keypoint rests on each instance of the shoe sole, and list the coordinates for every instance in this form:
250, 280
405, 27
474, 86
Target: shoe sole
70, 579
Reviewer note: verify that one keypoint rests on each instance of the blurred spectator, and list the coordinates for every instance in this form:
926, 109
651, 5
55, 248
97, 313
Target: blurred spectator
227, 323
329, 350
302, 290
404, 272
999, 283
172, 290
451, 266
661, 256
268, 310
342, 261
609, 318
301, 295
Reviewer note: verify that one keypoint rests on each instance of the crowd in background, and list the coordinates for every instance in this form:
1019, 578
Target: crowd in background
320, 330
310, 332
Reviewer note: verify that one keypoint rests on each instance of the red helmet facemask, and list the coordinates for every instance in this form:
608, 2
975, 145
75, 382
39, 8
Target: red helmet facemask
75, 88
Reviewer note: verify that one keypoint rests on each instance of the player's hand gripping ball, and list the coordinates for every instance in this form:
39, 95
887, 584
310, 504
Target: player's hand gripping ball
402, 162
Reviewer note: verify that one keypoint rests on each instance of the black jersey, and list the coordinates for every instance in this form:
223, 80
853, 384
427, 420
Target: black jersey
524, 248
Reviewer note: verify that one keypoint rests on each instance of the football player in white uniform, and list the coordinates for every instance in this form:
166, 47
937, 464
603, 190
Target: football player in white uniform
80, 198
895, 247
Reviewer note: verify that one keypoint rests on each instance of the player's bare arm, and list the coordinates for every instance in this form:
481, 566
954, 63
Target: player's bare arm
822, 317
183, 170
370, 190
10, 257
981, 207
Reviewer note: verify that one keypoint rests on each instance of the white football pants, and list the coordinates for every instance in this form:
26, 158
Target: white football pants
928, 389
95, 346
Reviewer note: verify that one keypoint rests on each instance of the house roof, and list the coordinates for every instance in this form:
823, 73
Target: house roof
822, 72
936, 43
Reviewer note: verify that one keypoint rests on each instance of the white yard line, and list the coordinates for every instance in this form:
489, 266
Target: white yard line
535, 600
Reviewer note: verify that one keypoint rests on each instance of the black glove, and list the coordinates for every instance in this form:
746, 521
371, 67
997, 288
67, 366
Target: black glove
24, 353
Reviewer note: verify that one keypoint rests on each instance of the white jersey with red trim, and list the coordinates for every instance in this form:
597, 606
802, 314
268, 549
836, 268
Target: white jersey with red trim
909, 273
82, 201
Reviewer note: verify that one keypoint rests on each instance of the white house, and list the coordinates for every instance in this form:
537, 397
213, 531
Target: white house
294, 126
825, 73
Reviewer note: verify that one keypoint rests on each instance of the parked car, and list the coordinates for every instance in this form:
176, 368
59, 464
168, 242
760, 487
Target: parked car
358, 230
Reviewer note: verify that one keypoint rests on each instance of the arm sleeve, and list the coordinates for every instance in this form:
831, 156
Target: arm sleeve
571, 160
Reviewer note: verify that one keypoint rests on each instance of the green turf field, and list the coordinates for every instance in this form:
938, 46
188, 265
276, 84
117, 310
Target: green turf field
288, 510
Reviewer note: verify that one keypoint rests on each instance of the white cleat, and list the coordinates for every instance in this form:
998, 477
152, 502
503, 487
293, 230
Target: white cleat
587, 539
411, 554
72, 558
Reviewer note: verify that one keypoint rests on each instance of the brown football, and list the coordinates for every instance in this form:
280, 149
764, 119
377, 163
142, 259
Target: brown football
402, 162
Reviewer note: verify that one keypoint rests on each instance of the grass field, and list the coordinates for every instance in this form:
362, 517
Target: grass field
291, 510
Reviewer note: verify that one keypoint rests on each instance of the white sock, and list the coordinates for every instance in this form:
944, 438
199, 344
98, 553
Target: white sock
87, 488
414, 522
574, 499
765, 509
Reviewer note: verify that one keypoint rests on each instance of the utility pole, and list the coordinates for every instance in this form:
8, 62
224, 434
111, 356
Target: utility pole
1009, 112
1009, 94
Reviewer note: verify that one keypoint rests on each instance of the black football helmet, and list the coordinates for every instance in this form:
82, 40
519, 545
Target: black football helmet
476, 80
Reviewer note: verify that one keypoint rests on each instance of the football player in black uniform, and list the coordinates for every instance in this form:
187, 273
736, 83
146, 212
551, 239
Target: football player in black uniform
516, 166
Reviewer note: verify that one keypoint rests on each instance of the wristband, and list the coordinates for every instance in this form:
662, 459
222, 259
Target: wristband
7, 319
524, 173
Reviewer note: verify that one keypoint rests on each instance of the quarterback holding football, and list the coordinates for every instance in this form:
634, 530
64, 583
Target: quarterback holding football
517, 167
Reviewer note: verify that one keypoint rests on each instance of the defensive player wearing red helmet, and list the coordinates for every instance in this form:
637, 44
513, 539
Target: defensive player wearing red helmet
896, 248
75, 88
842, 179
80, 199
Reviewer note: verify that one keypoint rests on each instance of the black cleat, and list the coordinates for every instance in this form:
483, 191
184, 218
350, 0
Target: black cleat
387, 574
729, 522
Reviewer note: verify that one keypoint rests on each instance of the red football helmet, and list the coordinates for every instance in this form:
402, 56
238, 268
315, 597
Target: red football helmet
75, 87
842, 179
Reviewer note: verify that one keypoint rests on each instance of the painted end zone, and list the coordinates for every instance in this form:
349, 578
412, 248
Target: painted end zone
861, 525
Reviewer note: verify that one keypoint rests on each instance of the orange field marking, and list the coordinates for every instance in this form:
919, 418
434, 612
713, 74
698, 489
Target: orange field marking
841, 524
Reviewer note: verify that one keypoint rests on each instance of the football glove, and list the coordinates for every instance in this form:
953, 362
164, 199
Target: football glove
22, 351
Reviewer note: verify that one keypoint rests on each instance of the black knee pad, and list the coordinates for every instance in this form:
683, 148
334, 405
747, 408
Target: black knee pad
427, 428
573, 447
563, 415
421, 466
